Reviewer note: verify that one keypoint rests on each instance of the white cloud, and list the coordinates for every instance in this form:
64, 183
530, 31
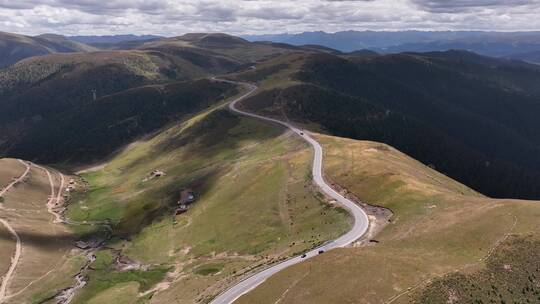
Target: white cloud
174, 17
455, 6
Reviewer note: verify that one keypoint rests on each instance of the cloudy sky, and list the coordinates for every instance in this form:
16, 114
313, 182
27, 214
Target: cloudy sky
174, 17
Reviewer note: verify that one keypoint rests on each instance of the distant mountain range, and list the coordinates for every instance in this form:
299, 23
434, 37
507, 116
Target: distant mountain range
498, 44
514, 45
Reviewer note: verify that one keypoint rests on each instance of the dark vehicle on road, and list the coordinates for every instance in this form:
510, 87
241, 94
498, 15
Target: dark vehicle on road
303, 256
321, 251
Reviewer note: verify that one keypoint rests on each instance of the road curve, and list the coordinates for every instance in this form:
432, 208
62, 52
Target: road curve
361, 221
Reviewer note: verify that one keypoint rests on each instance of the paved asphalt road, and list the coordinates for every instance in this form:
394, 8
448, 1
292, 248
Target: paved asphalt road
361, 222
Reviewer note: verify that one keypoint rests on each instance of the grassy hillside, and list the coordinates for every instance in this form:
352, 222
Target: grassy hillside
66, 112
510, 276
49, 100
62, 44
255, 205
439, 227
93, 130
139, 67
47, 262
15, 47
221, 46
471, 117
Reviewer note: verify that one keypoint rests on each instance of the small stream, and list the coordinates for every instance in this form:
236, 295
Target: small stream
65, 296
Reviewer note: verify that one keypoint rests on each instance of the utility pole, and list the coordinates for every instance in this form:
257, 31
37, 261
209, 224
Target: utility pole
94, 94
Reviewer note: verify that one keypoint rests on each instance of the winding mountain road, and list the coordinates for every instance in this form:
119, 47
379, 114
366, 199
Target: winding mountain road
361, 221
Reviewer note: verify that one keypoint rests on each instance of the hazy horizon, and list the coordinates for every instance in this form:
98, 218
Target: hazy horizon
280, 33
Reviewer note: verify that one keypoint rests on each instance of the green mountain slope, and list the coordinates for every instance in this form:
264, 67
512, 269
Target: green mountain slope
254, 205
93, 130
48, 101
439, 228
472, 117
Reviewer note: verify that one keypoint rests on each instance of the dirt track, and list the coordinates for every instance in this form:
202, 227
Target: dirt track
55, 198
52, 202
18, 247
17, 180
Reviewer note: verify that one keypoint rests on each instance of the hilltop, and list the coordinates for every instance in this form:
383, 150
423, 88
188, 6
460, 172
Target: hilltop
106, 39
228, 46
15, 47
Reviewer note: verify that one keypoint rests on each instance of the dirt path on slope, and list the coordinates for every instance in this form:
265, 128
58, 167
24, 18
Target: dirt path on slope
55, 197
17, 180
6, 279
14, 261
53, 200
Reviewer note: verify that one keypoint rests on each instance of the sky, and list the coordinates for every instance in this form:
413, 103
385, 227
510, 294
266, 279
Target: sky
171, 18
